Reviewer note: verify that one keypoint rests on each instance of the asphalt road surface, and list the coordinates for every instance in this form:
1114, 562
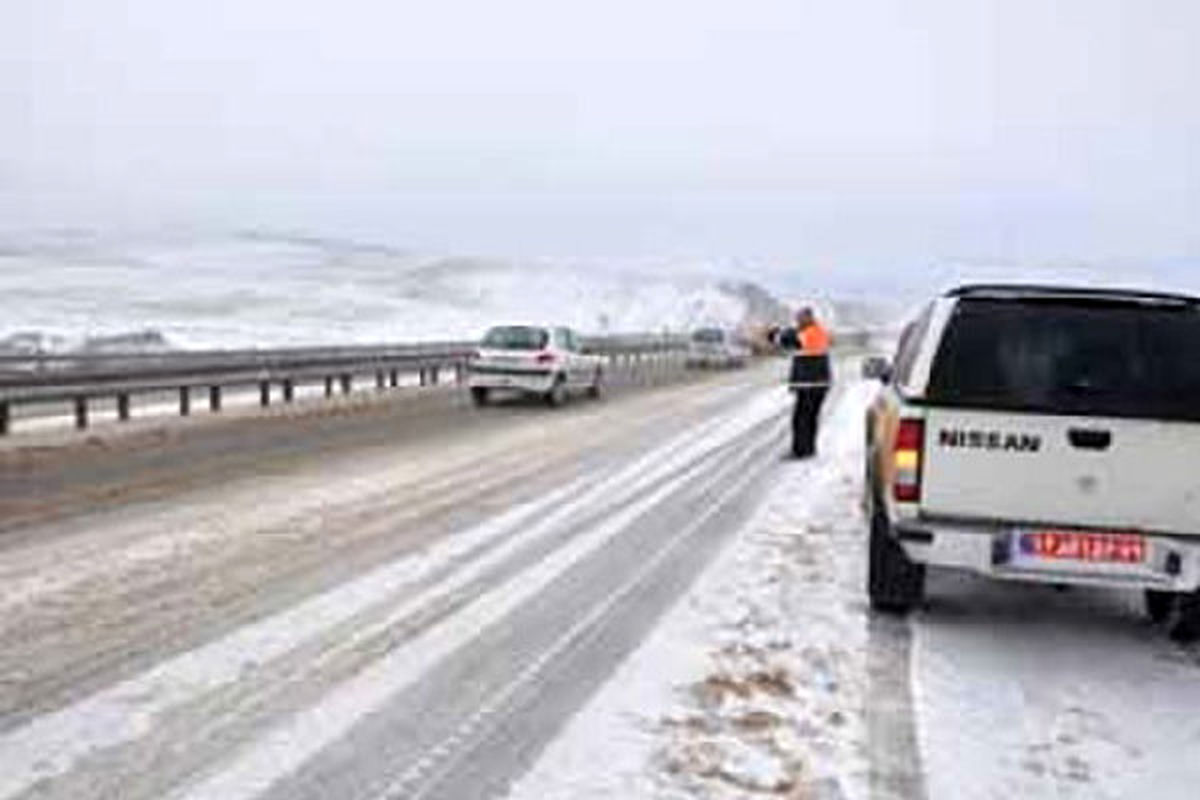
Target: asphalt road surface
406, 600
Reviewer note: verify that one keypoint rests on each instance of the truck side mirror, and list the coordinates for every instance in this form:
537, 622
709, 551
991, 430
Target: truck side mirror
877, 368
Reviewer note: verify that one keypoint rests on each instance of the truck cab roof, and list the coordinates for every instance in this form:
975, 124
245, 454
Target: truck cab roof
1049, 292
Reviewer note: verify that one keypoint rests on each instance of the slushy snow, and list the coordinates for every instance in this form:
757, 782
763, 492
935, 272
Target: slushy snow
753, 684
771, 678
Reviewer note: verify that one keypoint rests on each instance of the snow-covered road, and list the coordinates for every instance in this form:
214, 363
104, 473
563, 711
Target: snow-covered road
639, 598
771, 678
412, 616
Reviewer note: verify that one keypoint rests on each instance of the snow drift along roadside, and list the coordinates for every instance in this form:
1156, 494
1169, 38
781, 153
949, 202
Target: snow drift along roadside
755, 683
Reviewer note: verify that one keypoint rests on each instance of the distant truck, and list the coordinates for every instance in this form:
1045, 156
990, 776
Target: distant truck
716, 347
1044, 434
548, 362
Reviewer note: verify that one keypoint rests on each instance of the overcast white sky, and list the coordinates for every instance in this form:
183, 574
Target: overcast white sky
812, 133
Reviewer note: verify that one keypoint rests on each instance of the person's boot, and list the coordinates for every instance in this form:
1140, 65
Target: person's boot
800, 448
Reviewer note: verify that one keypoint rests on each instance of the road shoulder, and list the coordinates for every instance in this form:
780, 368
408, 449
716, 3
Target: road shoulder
767, 678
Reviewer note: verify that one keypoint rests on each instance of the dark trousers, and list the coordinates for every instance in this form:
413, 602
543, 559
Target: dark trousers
805, 418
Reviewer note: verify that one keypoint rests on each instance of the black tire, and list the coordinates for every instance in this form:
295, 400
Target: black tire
894, 583
479, 395
557, 396
1159, 605
597, 388
1186, 629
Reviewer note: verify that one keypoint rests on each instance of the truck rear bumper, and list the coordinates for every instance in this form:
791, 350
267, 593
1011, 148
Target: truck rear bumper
1172, 563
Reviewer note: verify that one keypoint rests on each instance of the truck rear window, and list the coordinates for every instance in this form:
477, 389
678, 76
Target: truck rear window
1090, 358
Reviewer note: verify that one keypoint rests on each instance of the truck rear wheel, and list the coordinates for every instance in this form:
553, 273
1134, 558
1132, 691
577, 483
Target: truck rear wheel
1159, 605
479, 395
1187, 622
894, 583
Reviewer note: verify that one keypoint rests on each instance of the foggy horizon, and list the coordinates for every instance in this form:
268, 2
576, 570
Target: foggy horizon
852, 140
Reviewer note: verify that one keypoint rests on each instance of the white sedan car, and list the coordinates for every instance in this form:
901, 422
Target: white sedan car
716, 347
529, 359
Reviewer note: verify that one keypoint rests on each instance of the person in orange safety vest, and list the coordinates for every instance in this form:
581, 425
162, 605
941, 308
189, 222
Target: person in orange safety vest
811, 376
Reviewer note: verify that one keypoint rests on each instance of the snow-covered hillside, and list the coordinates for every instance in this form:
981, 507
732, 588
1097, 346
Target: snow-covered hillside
258, 290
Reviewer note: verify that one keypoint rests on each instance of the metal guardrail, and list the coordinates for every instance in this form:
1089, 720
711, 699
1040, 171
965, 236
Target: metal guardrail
82, 378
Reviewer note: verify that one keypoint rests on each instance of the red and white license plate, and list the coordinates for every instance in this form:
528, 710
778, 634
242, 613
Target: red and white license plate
1105, 548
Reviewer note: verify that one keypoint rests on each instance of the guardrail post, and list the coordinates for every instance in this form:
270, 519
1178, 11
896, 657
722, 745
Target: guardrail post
393, 379
433, 375
329, 386
214, 398
380, 380
264, 393
347, 382
289, 390
4, 417
123, 407
185, 401
421, 376
81, 412
460, 373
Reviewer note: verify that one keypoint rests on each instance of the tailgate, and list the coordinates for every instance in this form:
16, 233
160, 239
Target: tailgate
1109, 473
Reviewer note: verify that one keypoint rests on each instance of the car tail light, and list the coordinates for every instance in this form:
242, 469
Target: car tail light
909, 453
545, 358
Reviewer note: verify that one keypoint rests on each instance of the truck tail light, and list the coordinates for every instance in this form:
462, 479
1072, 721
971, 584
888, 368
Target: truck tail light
909, 453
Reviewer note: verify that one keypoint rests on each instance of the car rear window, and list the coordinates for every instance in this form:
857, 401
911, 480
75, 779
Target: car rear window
1091, 358
516, 337
708, 336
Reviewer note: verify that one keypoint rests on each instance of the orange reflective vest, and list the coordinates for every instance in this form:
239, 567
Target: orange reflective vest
813, 340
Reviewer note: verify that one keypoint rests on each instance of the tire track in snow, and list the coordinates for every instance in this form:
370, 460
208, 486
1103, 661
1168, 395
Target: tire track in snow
422, 777
56, 743
765, 679
288, 746
152, 595
896, 768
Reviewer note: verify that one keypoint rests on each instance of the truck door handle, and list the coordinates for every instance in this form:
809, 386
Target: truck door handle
1089, 439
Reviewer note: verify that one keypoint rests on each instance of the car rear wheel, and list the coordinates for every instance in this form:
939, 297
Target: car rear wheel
557, 396
479, 395
894, 583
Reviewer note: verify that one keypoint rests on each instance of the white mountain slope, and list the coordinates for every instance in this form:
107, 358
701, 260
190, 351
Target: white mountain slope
256, 290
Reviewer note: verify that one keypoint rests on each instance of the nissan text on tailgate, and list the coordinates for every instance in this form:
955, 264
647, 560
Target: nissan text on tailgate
1041, 434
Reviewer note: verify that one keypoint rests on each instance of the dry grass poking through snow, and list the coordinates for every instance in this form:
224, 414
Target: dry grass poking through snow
781, 711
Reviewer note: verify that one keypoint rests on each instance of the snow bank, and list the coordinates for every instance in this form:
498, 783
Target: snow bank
755, 684
772, 679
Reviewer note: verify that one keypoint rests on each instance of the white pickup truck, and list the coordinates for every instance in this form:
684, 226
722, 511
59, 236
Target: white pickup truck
1043, 434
